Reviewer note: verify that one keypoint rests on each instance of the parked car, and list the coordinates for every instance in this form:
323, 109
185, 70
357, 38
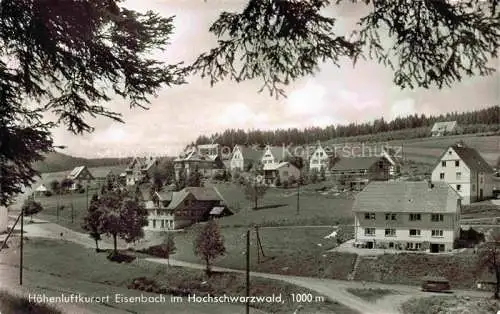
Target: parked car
435, 284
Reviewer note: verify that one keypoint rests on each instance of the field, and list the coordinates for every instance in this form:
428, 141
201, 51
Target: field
291, 251
278, 207
68, 260
427, 150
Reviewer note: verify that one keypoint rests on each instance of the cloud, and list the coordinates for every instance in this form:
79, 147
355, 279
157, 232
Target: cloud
307, 100
403, 107
239, 115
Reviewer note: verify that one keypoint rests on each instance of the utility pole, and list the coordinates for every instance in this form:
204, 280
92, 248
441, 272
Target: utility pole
298, 191
87, 192
72, 213
21, 249
248, 273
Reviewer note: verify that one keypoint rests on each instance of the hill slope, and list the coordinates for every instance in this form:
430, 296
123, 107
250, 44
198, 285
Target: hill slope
55, 162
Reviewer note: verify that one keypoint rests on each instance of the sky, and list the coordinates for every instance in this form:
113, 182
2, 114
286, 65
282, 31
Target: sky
335, 95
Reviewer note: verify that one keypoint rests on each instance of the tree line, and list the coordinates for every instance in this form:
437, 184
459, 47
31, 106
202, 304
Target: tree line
481, 120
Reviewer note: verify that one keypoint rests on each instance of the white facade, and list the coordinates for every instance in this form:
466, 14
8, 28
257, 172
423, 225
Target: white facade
319, 159
469, 184
237, 160
269, 160
4, 218
409, 235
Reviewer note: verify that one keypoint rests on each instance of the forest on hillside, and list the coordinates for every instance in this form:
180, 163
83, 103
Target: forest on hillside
412, 126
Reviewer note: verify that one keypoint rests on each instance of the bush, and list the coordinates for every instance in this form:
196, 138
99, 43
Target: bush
16, 304
48, 194
120, 258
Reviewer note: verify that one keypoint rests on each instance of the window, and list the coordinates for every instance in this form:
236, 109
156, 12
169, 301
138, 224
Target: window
457, 163
459, 187
443, 163
459, 175
285, 173
154, 223
390, 216
415, 217
449, 153
481, 180
418, 246
390, 232
414, 233
441, 176
437, 233
473, 187
162, 223
369, 231
370, 216
437, 217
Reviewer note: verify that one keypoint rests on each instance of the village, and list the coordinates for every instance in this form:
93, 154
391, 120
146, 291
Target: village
446, 210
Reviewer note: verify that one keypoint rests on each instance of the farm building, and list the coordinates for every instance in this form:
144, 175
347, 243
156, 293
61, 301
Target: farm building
80, 175
443, 128
176, 210
356, 173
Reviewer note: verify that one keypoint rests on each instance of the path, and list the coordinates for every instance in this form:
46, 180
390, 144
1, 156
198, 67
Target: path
333, 289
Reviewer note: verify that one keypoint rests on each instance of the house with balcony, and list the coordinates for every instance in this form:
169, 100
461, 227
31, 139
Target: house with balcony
243, 158
203, 158
272, 156
466, 171
415, 216
139, 170
355, 173
168, 210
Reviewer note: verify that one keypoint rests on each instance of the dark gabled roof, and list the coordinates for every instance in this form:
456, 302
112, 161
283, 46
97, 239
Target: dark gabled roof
250, 153
472, 158
164, 195
406, 196
177, 199
358, 163
204, 193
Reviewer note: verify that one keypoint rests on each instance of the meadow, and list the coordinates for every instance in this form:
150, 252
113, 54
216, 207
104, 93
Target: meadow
75, 263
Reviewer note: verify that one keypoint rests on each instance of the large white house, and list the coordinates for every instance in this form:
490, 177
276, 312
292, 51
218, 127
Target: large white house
272, 157
466, 171
407, 215
319, 159
244, 157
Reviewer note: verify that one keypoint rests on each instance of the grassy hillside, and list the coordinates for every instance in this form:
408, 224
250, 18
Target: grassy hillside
56, 162
427, 150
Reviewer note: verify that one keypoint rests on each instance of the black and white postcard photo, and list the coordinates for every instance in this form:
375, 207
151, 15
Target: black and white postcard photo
249, 156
